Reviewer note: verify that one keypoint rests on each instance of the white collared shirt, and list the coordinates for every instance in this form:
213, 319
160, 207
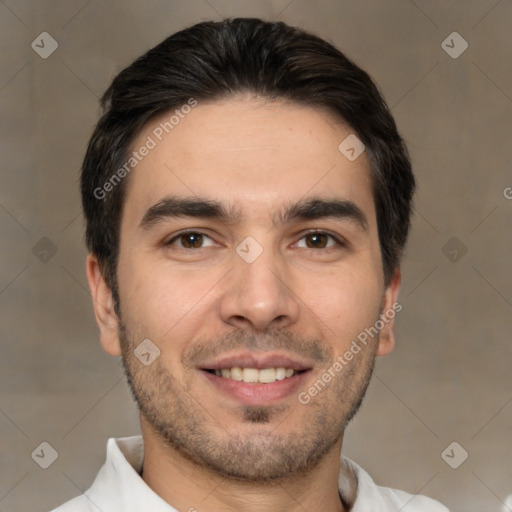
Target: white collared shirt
118, 487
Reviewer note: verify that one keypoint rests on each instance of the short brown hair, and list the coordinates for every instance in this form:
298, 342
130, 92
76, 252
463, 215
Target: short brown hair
213, 60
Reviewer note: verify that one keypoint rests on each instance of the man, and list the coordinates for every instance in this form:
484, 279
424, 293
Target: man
247, 199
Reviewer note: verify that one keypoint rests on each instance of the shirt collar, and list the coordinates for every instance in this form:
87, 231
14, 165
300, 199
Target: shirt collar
120, 478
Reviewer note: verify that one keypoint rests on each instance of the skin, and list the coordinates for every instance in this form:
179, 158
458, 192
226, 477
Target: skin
204, 449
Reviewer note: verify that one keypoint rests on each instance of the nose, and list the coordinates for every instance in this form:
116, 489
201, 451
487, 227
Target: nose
259, 295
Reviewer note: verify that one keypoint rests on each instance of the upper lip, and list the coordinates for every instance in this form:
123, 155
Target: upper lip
257, 360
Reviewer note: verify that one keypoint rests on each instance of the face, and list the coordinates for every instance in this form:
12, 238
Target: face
249, 257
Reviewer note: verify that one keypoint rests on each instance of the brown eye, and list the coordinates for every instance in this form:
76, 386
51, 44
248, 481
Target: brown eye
320, 240
316, 240
189, 240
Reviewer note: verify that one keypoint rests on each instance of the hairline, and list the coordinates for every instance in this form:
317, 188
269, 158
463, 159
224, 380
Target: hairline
245, 94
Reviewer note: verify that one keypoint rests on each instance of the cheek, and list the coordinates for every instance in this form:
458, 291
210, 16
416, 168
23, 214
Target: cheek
160, 300
346, 303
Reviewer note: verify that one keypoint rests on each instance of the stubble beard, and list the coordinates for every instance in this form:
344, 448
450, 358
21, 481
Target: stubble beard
263, 455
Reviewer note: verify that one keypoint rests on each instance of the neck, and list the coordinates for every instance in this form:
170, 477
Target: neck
188, 487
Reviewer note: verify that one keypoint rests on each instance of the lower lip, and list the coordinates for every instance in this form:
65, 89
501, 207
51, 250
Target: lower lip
258, 394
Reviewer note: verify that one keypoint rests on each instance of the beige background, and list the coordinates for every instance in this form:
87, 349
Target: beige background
449, 378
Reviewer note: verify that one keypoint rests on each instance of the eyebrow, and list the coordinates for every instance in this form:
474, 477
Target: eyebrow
203, 208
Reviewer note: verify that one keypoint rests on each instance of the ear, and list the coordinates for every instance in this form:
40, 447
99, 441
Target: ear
390, 308
103, 303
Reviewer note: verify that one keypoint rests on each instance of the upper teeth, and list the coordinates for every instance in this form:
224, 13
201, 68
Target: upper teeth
266, 375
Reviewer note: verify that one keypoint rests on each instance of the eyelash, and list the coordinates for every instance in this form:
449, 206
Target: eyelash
339, 242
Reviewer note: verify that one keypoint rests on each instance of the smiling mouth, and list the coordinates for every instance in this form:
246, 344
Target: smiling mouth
255, 375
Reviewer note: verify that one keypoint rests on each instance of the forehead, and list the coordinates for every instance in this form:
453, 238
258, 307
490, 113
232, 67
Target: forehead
250, 154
